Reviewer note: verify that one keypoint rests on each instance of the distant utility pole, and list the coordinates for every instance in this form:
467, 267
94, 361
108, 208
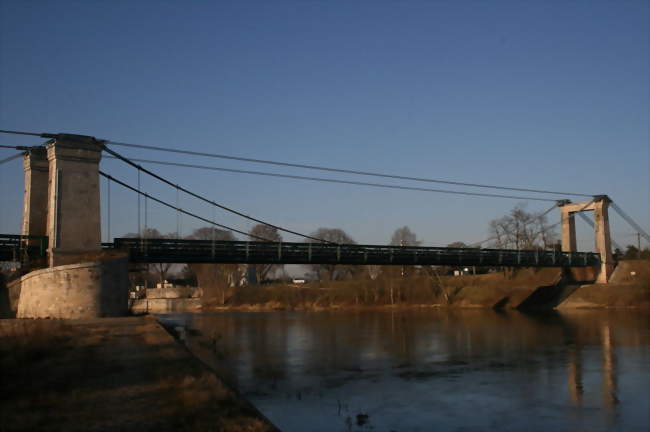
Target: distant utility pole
638, 245
401, 243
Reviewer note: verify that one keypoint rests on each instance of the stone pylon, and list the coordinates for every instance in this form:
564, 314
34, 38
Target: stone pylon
35, 166
600, 206
73, 214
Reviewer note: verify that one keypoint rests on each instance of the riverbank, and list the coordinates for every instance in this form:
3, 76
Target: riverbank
543, 288
111, 374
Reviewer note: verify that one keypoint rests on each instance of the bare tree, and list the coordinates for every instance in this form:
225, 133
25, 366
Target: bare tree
404, 237
216, 280
520, 229
331, 271
211, 233
161, 270
271, 234
373, 271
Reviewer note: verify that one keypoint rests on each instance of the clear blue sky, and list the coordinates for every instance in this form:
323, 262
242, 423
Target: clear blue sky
545, 94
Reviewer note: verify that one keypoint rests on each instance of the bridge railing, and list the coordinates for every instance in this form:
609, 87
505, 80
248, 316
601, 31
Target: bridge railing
22, 248
202, 251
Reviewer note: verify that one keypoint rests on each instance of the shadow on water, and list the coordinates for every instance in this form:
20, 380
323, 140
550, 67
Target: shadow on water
406, 369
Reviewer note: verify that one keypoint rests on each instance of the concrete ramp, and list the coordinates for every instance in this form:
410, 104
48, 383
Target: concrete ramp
548, 297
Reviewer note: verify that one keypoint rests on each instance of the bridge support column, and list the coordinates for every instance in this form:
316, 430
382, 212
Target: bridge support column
600, 207
73, 217
35, 195
603, 239
568, 231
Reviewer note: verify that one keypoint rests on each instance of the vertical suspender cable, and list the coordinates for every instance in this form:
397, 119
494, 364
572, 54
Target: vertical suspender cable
139, 225
108, 222
213, 229
178, 216
145, 215
144, 234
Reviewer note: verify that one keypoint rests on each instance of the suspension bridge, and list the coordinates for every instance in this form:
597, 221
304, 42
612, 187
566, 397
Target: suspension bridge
61, 217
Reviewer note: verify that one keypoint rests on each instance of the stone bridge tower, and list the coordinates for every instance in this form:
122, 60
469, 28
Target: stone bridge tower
73, 214
600, 206
62, 201
35, 195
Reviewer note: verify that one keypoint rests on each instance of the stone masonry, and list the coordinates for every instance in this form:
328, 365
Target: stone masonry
73, 214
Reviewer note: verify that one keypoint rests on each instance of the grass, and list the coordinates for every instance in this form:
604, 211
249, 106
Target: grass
110, 374
502, 289
421, 290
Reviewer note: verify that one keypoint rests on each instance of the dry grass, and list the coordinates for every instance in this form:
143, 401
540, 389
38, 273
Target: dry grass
480, 290
502, 289
111, 374
29, 340
634, 271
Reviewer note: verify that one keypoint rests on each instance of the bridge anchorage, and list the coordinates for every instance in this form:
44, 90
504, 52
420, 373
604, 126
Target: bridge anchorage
61, 228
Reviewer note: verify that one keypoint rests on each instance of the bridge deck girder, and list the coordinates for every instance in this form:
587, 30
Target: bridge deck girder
206, 251
14, 247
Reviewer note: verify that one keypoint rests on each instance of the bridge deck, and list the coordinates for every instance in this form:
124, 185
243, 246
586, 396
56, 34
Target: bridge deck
19, 248
206, 251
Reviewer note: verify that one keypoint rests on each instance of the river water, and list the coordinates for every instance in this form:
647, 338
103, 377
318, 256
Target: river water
433, 370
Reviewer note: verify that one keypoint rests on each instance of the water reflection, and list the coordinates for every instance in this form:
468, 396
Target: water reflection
409, 370
610, 399
575, 375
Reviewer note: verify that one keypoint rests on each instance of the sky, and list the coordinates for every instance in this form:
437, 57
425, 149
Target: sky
539, 94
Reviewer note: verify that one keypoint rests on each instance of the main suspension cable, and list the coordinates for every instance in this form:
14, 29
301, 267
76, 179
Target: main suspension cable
15, 147
587, 204
340, 170
37, 134
238, 213
171, 206
630, 221
350, 182
591, 223
10, 158
315, 167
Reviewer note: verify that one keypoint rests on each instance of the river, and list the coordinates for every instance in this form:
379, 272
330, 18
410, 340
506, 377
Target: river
433, 369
